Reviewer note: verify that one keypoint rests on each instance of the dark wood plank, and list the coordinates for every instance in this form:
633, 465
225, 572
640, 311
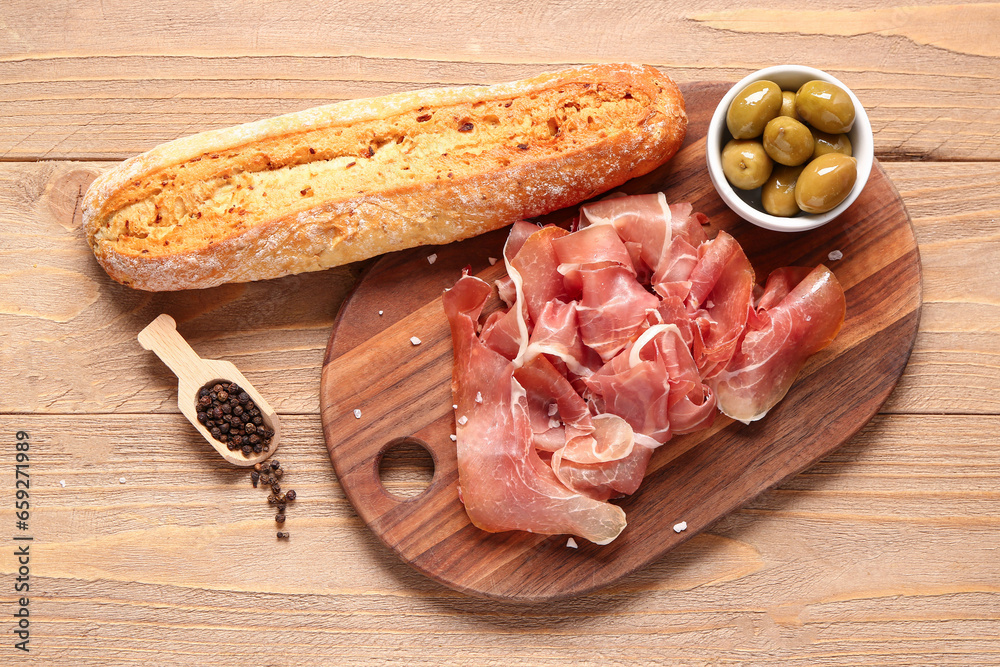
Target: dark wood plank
403, 392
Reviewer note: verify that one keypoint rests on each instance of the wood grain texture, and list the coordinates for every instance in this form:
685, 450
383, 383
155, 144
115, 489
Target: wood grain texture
77, 327
697, 478
842, 565
884, 553
68, 92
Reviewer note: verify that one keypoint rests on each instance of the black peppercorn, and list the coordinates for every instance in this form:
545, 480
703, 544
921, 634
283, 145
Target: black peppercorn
278, 472
231, 417
280, 518
272, 499
254, 476
276, 487
290, 495
282, 535
281, 509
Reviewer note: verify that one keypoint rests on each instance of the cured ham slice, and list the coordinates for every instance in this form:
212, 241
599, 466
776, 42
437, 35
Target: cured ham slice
504, 483
618, 336
793, 325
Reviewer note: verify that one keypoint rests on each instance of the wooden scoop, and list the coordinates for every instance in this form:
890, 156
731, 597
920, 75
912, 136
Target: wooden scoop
193, 373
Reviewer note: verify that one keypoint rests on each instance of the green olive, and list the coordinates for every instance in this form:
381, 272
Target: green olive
746, 164
752, 108
825, 182
778, 194
788, 141
825, 106
830, 143
788, 105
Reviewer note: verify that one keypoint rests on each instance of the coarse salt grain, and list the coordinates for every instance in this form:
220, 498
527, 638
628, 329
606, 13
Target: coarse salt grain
380, 313
414, 340
357, 413
680, 527
553, 408
432, 258
454, 438
835, 255
554, 423
454, 406
463, 420
121, 480
571, 544
479, 397
493, 260
62, 483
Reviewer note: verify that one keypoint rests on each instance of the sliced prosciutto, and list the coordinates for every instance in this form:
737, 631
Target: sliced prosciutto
504, 483
795, 323
618, 336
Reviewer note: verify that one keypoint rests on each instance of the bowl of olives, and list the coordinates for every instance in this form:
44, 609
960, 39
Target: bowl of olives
789, 148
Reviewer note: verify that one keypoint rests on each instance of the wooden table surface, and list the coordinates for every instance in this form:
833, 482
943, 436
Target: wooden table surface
148, 548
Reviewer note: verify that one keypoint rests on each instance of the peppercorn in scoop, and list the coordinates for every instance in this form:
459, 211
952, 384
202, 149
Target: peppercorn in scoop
232, 418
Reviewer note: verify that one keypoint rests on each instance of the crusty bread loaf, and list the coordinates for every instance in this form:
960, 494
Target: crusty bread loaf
344, 182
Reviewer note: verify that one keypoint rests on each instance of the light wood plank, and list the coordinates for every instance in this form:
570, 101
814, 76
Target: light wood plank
930, 85
68, 342
883, 553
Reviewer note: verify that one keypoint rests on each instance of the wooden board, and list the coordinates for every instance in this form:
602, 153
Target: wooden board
403, 393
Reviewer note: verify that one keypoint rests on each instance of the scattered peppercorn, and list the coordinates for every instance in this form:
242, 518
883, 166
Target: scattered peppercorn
280, 518
282, 535
290, 495
254, 477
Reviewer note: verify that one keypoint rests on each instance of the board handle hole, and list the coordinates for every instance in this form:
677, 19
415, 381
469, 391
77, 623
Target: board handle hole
406, 468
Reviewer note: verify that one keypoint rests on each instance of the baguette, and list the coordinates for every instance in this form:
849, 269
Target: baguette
339, 183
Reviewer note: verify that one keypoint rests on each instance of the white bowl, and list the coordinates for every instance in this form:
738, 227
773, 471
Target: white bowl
746, 203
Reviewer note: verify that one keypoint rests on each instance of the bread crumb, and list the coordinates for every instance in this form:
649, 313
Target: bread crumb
357, 413
414, 340
571, 544
432, 258
835, 255
680, 527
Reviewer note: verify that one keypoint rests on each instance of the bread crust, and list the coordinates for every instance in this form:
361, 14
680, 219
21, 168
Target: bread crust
343, 182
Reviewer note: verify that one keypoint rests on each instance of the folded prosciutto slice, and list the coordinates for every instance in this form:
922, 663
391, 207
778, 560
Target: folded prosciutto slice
504, 483
618, 336
793, 322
